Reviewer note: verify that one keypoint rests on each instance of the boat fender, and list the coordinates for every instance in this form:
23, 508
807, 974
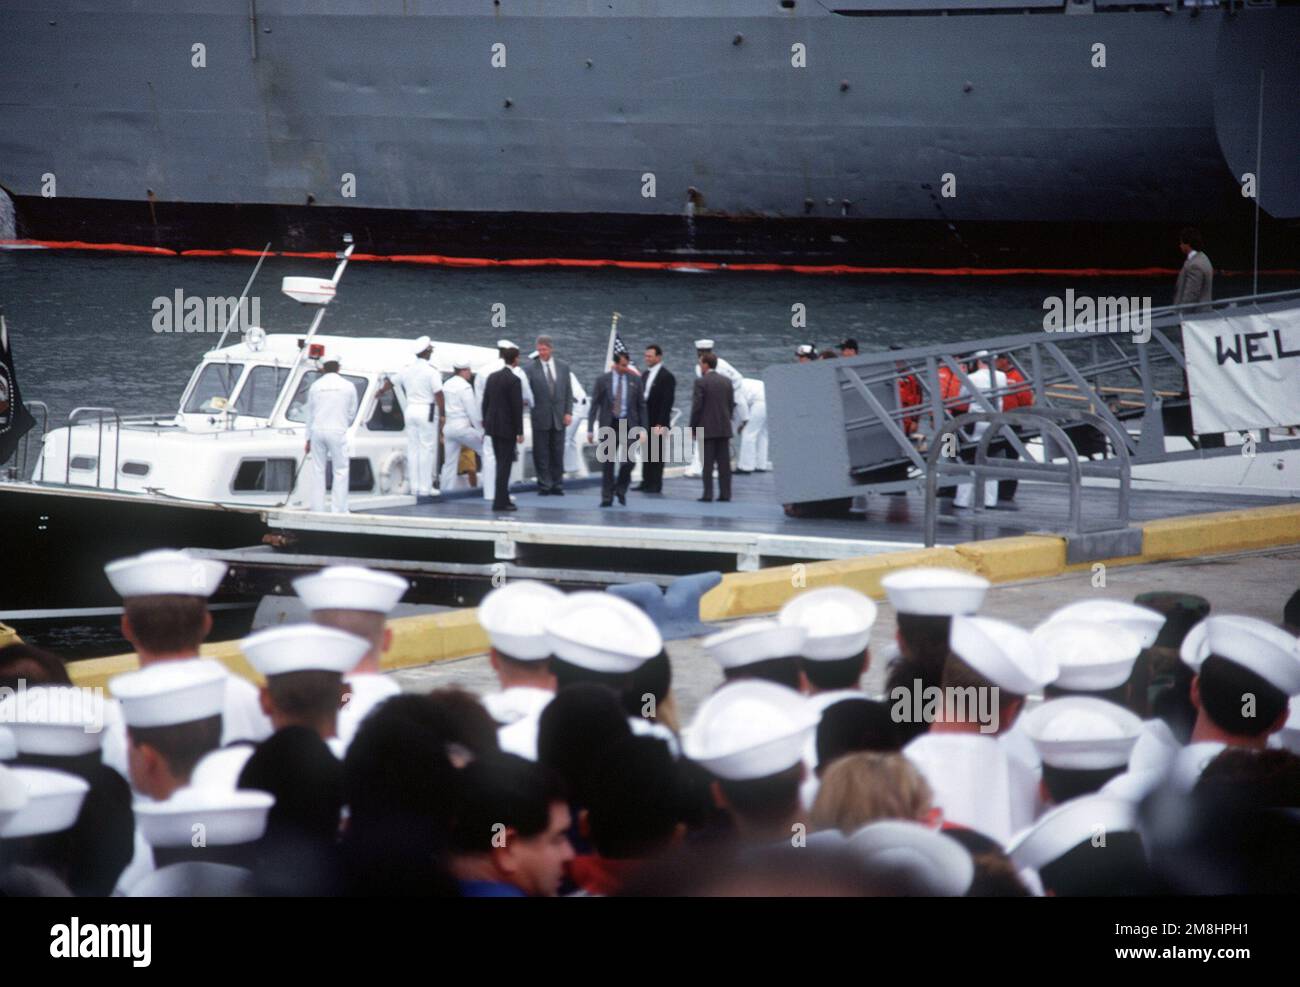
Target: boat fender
392, 473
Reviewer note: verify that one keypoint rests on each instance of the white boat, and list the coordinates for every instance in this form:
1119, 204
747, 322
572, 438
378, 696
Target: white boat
237, 437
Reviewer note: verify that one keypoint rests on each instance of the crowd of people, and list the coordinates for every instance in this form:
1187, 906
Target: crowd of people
1116, 748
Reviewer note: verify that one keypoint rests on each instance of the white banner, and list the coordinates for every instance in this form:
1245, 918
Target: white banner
1244, 371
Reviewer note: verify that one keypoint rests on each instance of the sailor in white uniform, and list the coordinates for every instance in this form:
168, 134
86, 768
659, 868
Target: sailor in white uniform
1233, 657
914, 858
759, 649
423, 387
38, 802
357, 600
172, 711
608, 635
221, 866
514, 617
331, 409
574, 461
175, 585
986, 379
1118, 866
753, 440
754, 731
480, 385
1082, 744
738, 415
975, 782
463, 426
837, 623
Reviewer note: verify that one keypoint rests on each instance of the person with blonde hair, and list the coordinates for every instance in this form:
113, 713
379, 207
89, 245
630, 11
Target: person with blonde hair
862, 788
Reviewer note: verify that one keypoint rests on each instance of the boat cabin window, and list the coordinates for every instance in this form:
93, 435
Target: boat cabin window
135, 468
386, 415
212, 392
298, 406
264, 475
257, 396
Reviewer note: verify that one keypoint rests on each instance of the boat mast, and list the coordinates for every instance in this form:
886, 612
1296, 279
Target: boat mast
242, 295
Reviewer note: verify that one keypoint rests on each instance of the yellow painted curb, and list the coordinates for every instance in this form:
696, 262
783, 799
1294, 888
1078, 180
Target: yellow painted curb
424, 639
418, 640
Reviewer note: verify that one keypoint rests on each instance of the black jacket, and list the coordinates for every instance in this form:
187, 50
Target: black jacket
503, 405
712, 405
659, 399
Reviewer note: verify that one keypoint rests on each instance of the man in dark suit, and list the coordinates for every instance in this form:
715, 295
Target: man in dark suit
503, 422
711, 408
618, 404
660, 390
551, 413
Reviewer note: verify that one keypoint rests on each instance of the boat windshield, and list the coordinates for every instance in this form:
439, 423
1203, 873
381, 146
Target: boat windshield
212, 392
298, 406
257, 396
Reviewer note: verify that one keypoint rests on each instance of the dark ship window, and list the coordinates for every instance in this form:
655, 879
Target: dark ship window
84, 462
136, 469
269, 475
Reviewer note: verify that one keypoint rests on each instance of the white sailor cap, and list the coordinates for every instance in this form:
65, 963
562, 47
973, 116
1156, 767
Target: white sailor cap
303, 648
1082, 733
750, 729
170, 692
837, 621
1268, 651
923, 860
165, 572
8, 744
1062, 829
422, 344
222, 767
1004, 654
228, 817
515, 616
935, 592
1090, 656
753, 641
602, 632
351, 587
704, 344
1142, 621
13, 795
505, 344
57, 720
52, 803
460, 363
804, 349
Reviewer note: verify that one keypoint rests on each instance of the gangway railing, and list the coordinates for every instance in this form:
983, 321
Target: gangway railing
1085, 540
844, 427
100, 413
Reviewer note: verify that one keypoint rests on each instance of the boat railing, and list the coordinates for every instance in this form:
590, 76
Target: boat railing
100, 414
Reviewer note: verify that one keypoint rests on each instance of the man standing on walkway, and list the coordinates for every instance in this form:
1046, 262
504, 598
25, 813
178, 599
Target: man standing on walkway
331, 407
423, 387
725, 369
1196, 279
618, 404
660, 390
480, 382
463, 427
712, 406
503, 421
552, 411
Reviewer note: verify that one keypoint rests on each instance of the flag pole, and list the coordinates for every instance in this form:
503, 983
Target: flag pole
609, 348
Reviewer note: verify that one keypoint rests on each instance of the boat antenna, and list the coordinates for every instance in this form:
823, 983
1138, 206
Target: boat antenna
242, 295
1259, 151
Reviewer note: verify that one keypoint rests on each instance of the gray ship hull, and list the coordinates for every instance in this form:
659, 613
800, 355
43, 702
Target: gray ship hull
902, 115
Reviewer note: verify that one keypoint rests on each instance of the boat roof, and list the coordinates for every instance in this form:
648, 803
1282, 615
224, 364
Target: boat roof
374, 354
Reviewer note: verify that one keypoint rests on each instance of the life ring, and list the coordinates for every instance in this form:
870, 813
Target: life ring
392, 473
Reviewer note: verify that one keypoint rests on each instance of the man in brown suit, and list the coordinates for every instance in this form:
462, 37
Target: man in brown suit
1196, 279
711, 409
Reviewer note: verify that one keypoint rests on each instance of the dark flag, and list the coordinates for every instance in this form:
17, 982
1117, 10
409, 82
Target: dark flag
15, 419
619, 347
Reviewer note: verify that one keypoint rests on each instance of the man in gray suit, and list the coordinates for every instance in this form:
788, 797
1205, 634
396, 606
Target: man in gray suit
1196, 279
618, 404
712, 406
551, 413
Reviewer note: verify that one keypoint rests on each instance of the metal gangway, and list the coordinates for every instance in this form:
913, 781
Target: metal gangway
1092, 400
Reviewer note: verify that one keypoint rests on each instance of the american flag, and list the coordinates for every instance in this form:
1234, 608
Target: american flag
619, 347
